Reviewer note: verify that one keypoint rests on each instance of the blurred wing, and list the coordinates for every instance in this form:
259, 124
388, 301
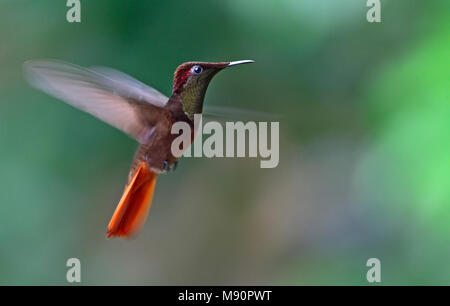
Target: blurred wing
133, 87
110, 99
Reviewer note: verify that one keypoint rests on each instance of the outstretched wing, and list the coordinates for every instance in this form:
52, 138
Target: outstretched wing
105, 93
132, 87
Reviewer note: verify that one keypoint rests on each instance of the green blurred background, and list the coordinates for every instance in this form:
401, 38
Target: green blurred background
364, 145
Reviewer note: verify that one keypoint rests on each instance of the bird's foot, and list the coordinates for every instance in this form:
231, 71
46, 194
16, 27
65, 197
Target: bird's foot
167, 167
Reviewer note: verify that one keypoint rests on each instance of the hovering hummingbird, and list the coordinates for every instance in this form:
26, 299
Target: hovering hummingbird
138, 110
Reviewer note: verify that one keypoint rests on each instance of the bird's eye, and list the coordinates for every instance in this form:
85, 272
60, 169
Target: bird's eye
197, 69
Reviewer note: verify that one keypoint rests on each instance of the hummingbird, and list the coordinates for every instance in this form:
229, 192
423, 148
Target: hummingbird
140, 111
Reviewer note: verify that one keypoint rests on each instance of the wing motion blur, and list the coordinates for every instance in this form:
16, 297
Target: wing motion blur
136, 89
105, 93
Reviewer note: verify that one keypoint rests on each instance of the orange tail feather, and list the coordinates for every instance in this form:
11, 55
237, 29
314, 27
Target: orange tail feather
133, 208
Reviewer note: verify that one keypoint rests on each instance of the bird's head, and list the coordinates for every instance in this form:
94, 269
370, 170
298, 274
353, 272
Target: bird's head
199, 74
192, 79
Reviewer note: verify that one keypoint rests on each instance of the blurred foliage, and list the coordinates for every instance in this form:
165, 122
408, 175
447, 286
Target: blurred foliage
364, 153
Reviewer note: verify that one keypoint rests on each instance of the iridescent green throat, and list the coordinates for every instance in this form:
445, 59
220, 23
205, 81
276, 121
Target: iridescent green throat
192, 100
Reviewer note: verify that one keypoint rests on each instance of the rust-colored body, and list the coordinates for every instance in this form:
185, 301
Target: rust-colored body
157, 152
